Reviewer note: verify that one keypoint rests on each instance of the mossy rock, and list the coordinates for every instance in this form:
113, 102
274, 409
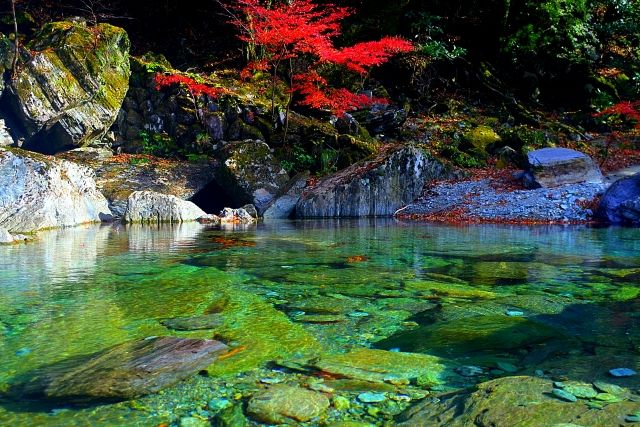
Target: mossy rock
70, 86
481, 137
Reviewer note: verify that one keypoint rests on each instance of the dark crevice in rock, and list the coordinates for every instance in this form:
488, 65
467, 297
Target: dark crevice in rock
213, 198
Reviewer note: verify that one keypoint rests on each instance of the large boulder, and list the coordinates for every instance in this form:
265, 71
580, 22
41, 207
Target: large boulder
70, 86
128, 370
39, 192
152, 207
553, 167
621, 202
376, 187
284, 206
249, 172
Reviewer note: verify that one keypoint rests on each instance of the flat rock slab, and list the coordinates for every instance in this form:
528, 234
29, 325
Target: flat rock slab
552, 167
152, 207
126, 371
195, 323
282, 404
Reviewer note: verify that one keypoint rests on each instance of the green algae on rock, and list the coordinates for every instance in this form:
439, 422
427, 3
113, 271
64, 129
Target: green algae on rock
71, 86
282, 404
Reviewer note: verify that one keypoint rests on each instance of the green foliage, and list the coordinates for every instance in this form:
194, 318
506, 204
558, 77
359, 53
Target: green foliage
297, 160
427, 30
555, 28
158, 144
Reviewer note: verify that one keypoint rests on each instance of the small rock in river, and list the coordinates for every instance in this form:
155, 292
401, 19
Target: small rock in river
622, 372
341, 403
507, 367
609, 388
514, 313
370, 397
218, 404
469, 371
564, 395
282, 404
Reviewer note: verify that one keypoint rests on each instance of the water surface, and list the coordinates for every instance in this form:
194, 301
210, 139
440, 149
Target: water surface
555, 299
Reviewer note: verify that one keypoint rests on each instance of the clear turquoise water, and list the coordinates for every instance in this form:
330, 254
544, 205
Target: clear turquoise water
428, 289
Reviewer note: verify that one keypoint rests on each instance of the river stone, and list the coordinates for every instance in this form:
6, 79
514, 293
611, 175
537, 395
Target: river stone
621, 202
509, 401
126, 371
375, 187
378, 365
39, 192
195, 323
282, 403
152, 207
70, 86
553, 167
250, 174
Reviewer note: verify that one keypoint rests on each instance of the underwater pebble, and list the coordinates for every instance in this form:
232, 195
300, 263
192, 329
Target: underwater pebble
581, 391
507, 367
193, 422
622, 372
341, 403
539, 373
23, 351
218, 404
633, 418
370, 397
394, 350
270, 380
514, 313
469, 371
564, 395
396, 380
358, 314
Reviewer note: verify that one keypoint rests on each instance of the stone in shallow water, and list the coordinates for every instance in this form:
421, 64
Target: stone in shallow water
195, 323
609, 388
370, 397
283, 404
622, 372
581, 390
377, 365
128, 370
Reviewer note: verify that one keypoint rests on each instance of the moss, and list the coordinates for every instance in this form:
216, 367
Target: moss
482, 136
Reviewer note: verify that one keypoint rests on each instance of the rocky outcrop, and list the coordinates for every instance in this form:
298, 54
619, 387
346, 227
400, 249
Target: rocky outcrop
125, 371
39, 192
552, 167
7, 238
621, 202
249, 172
284, 206
71, 84
376, 187
152, 207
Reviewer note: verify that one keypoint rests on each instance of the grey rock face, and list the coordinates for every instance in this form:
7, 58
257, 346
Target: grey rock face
125, 371
284, 206
71, 87
5, 137
621, 202
251, 174
552, 167
376, 187
6, 237
39, 192
152, 207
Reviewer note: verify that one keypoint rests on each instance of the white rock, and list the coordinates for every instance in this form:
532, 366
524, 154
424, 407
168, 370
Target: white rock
39, 192
236, 216
149, 206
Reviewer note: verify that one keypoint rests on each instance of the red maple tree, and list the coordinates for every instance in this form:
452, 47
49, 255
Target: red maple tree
299, 30
627, 109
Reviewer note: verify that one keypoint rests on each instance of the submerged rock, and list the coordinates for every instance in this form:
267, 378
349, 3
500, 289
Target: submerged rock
207, 321
251, 174
39, 192
553, 167
510, 401
379, 365
152, 207
621, 202
282, 404
71, 86
128, 370
376, 187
